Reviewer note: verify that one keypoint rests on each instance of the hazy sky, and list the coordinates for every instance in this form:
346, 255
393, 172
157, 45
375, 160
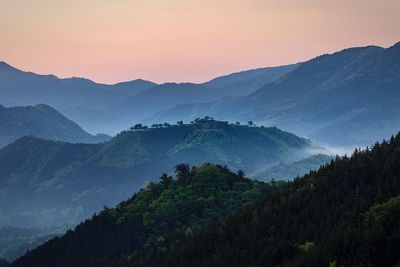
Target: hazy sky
184, 40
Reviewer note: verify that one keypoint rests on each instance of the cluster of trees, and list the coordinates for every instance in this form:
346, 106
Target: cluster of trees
139, 126
205, 119
176, 205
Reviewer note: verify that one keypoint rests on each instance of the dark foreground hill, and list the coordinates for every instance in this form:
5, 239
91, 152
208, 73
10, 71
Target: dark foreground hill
47, 183
345, 214
180, 206
41, 121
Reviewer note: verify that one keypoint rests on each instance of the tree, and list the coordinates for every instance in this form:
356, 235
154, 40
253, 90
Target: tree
237, 123
241, 174
182, 171
250, 123
166, 180
180, 123
137, 127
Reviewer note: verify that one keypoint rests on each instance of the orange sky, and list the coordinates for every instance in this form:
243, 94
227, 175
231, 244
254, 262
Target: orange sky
184, 40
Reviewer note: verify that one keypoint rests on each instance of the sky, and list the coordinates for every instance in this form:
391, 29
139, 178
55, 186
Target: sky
184, 40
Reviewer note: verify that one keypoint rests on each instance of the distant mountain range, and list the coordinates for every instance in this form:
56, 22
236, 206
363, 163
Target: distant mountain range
44, 122
347, 98
19, 88
82, 100
245, 82
112, 108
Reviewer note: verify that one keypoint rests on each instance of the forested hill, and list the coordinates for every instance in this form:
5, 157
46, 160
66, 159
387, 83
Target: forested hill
170, 207
345, 214
65, 183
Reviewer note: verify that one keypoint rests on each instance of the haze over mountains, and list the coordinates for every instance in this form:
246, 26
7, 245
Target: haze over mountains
54, 172
348, 98
323, 99
113, 108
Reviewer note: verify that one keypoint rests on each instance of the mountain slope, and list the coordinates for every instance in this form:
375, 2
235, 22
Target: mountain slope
289, 171
51, 183
245, 82
26, 88
198, 196
165, 96
347, 98
345, 214
41, 121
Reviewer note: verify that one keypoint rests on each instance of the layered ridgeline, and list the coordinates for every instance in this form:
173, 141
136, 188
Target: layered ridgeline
82, 100
111, 108
347, 98
47, 183
344, 214
171, 207
41, 121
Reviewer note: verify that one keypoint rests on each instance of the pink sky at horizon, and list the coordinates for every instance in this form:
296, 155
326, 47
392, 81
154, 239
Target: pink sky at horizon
184, 40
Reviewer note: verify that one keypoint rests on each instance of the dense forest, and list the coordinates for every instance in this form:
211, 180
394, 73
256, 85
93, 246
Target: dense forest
344, 214
175, 205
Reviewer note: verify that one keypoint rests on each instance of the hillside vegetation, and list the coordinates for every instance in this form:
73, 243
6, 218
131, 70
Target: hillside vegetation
55, 183
344, 214
173, 206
